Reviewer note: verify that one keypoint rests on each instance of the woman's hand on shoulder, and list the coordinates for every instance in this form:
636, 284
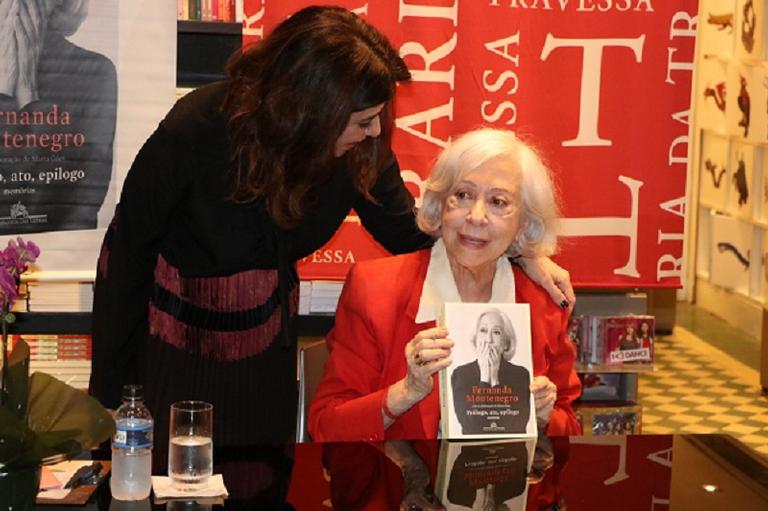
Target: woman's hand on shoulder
553, 278
427, 353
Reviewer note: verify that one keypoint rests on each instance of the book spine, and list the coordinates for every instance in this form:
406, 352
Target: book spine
239, 11
446, 412
443, 475
215, 14
206, 14
53, 347
195, 10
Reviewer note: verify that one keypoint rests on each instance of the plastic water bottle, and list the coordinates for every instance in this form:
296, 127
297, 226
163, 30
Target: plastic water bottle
132, 447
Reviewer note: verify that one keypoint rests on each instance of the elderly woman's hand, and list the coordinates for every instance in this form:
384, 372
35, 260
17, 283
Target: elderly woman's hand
554, 279
544, 397
427, 353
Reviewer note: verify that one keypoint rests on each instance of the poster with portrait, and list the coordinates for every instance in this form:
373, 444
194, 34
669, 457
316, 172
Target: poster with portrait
59, 111
491, 473
83, 84
485, 392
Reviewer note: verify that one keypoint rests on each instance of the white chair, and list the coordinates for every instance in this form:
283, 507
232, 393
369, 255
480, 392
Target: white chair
311, 364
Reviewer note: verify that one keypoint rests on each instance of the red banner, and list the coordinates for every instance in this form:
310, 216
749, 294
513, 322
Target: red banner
601, 87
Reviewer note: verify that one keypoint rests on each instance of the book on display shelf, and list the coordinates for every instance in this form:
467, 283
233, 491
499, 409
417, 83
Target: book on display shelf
492, 473
600, 420
66, 357
59, 296
602, 386
485, 392
51, 347
626, 339
578, 334
612, 341
210, 10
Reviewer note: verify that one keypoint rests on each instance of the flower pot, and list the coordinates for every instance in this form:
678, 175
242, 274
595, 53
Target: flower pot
18, 488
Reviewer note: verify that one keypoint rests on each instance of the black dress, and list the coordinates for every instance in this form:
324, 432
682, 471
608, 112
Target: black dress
195, 295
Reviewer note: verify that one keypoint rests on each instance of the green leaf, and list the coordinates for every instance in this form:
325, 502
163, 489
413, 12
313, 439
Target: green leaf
17, 437
16, 391
55, 406
45, 420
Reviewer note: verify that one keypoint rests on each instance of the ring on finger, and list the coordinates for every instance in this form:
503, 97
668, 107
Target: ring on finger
419, 361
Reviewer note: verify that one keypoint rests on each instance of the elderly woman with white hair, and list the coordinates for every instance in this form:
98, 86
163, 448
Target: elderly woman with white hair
488, 200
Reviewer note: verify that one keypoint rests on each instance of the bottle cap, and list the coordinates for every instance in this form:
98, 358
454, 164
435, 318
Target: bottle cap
132, 391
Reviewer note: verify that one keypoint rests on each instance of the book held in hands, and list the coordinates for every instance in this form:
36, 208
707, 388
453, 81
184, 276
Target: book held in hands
485, 392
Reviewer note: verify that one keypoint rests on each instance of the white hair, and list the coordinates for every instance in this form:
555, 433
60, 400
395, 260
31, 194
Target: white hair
539, 214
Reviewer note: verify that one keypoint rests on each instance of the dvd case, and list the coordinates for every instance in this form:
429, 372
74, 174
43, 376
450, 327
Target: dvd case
625, 339
485, 393
579, 334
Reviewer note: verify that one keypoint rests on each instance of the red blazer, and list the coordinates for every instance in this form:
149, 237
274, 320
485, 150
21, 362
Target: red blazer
375, 319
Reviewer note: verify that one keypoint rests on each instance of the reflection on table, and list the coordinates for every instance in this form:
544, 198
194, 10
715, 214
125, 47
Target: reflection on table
645, 472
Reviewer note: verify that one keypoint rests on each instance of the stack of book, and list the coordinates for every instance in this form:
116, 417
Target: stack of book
59, 296
66, 357
319, 296
210, 10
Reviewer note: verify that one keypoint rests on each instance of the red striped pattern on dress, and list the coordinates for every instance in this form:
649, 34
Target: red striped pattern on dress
242, 291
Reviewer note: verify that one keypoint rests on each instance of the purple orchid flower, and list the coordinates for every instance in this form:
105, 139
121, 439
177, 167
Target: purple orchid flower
9, 290
15, 260
20, 254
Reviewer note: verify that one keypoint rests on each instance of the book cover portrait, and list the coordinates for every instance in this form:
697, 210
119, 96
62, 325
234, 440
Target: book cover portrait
486, 390
484, 475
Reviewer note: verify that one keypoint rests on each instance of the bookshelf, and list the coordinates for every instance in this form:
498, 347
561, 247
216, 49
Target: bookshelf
51, 323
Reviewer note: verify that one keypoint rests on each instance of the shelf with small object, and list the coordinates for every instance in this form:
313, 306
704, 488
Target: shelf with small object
613, 336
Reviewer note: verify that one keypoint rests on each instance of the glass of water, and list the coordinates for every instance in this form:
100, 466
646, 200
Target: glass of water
190, 450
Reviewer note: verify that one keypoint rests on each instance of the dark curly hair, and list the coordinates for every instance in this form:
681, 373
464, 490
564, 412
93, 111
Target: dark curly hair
290, 98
